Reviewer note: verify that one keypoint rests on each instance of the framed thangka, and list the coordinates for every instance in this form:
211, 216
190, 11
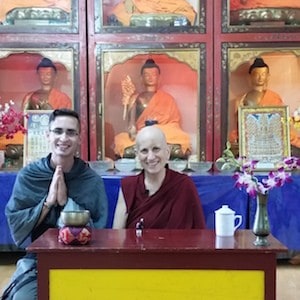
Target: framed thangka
129, 100
153, 16
260, 15
264, 134
37, 79
39, 16
36, 144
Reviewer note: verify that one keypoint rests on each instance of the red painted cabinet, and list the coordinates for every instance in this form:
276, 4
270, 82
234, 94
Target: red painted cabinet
203, 48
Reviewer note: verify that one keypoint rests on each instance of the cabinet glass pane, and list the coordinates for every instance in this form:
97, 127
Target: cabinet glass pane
39, 16
179, 77
280, 85
154, 16
260, 15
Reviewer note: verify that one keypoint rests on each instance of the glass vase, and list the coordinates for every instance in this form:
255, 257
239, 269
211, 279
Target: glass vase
261, 226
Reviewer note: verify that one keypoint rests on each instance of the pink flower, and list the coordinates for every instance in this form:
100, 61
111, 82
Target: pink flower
11, 121
292, 162
246, 179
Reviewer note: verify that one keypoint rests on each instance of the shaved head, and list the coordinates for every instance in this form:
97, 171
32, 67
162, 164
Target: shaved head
152, 150
150, 133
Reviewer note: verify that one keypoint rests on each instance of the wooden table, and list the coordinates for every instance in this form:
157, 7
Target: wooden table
162, 264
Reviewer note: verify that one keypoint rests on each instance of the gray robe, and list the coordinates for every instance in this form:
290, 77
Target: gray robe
85, 189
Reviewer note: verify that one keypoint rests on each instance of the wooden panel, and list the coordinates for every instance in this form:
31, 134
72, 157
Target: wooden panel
156, 284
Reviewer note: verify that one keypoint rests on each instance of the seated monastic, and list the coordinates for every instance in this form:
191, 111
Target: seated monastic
152, 106
162, 198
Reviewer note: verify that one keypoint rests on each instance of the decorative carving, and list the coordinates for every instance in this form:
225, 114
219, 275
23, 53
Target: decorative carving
37, 16
65, 57
157, 20
115, 57
265, 16
236, 57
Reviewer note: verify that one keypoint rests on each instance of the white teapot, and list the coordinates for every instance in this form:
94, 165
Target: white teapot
226, 221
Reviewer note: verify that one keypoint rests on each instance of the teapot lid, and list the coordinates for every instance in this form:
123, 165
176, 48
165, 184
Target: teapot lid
225, 210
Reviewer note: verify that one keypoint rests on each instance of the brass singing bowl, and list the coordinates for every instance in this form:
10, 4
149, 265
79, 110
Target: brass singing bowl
75, 217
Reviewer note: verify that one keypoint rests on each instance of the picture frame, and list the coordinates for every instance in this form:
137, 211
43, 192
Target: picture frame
36, 144
113, 16
115, 64
264, 134
39, 16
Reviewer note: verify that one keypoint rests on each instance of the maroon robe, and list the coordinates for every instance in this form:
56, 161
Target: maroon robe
176, 205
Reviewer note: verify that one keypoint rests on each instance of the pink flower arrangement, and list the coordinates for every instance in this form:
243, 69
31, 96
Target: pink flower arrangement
11, 121
245, 177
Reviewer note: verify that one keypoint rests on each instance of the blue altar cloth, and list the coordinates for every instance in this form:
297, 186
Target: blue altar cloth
214, 190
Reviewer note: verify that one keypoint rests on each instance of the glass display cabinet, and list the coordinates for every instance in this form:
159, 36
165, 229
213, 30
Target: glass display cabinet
146, 16
204, 47
39, 16
33, 31
180, 43
119, 64
22, 83
237, 43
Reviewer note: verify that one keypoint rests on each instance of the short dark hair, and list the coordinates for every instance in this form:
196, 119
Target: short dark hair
64, 112
46, 63
150, 63
258, 63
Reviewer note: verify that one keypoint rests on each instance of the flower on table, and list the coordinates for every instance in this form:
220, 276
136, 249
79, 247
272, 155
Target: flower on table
245, 178
11, 121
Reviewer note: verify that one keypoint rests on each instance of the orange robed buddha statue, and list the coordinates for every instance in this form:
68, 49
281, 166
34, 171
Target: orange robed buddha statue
260, 95
152, 106
124, 10
47, 97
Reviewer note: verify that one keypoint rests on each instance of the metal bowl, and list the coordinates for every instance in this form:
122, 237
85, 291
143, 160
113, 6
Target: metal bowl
101, 166
225, 167
125, 164
75, 217
177, 165
200, 166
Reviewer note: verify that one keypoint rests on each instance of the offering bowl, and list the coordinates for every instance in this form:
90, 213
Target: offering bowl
78, 218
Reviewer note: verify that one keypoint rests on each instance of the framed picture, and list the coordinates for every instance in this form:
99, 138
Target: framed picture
36, 144
39, 16
118, 66
260, 15
143, 15
264, 134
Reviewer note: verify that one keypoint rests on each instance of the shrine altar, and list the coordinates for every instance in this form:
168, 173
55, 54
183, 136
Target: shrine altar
214, 190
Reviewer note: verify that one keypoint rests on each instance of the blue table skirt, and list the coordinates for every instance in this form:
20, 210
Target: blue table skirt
214, 191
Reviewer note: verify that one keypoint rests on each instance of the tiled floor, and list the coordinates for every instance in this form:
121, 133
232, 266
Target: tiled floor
288, 276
